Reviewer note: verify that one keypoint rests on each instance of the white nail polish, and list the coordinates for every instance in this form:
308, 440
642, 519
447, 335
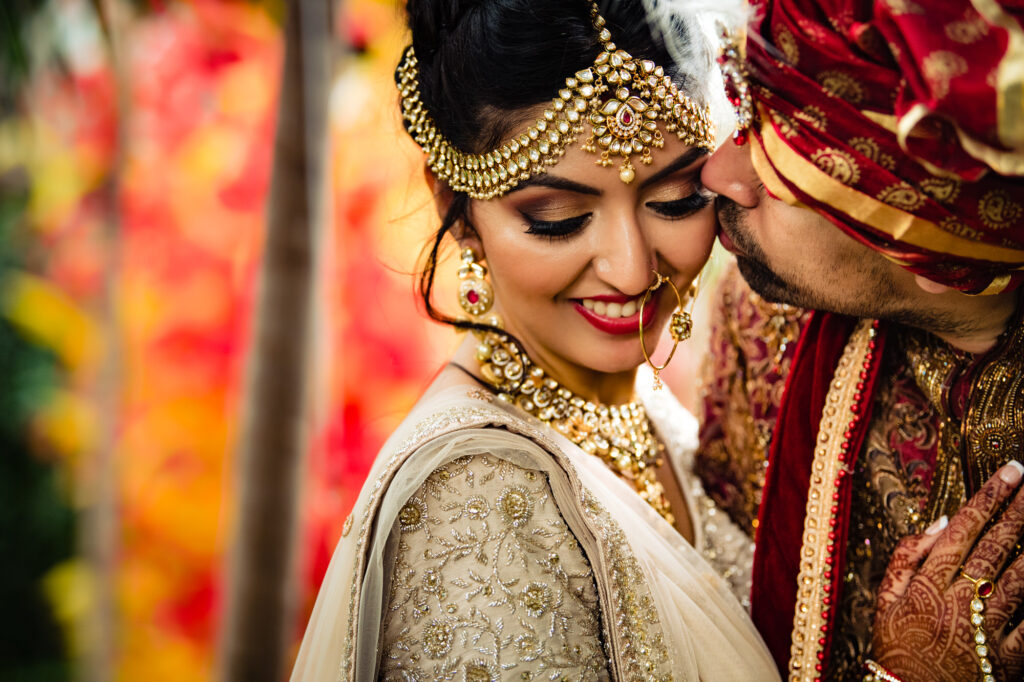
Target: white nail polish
1012, 472
938, 526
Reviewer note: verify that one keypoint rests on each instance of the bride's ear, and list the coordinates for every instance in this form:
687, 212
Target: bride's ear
462, 231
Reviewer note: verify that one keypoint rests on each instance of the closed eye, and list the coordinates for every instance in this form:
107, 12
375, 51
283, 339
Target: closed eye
681, 208
556, 229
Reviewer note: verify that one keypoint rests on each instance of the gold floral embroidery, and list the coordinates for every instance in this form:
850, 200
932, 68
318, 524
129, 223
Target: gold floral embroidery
812, 30
636, 615
997, 210
786, 126
897, 53
838, 164
479, 670
898, 7
958, 227
785, 41
945, 190
903, 196
842, 85
640, 650
476, 595
970, 29
814, 116
516, 506
435, 425
437, 638
536, 598
869, 148
752, 346
941, 67
411, 516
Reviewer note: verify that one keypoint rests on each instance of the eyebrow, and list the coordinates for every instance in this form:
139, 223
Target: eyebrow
688, 158
556, 182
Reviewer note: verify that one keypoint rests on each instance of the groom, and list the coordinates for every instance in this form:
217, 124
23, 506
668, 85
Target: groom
880, 185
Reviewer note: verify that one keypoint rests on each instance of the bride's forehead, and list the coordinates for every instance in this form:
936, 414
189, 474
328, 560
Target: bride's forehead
586, 167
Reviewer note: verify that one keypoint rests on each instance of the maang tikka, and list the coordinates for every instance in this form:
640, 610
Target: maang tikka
622, 98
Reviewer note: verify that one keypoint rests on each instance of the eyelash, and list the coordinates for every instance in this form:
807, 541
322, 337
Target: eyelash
557, 230
681, 208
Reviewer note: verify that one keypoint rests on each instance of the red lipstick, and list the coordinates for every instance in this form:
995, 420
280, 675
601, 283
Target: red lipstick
619, 325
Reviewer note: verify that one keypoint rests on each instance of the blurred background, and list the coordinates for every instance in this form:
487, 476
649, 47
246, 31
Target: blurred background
136, 158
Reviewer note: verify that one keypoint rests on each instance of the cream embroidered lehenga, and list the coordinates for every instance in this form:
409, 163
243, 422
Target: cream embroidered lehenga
486, 546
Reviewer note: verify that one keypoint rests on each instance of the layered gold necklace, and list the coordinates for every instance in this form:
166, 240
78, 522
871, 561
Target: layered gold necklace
619, 434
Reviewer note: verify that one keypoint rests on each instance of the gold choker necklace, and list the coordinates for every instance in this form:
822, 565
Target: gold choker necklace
619, 434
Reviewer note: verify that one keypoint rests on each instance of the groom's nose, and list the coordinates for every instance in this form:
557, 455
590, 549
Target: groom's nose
730, 173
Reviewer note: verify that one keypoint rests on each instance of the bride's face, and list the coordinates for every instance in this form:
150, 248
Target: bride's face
571, 253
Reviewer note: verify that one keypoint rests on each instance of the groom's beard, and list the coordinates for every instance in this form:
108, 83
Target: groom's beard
881, 300
751, 259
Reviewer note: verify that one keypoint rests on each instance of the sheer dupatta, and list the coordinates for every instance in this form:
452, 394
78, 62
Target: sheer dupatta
666, 613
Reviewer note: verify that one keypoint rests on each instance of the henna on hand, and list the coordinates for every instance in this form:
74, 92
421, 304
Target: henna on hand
922, 620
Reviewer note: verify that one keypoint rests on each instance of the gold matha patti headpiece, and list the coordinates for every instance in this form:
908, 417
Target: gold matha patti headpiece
622, 98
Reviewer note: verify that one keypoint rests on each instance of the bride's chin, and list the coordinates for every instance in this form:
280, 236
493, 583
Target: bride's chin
618, 366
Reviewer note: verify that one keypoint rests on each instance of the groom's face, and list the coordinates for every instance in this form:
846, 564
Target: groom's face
794, 255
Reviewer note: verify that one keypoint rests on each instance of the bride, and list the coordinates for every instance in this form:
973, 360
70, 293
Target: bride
535, 516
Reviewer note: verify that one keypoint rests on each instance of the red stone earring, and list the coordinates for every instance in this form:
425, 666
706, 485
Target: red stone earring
475, 293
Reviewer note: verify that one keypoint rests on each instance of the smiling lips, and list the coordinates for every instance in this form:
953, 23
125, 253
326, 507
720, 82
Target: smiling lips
616, 314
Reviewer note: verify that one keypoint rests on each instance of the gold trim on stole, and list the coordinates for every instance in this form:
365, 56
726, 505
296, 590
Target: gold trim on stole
818, 552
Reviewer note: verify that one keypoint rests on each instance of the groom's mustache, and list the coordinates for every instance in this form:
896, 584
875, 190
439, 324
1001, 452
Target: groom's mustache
732, 221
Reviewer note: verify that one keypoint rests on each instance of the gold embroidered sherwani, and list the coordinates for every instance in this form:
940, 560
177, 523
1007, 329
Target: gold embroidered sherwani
941, 422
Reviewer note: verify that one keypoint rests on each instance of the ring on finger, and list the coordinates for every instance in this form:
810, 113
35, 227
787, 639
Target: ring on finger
983, 589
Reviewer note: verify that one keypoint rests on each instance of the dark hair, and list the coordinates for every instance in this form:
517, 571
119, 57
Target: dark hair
482, 60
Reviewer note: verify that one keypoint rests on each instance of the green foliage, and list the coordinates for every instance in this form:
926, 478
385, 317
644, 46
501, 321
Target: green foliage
15, 16
37, 529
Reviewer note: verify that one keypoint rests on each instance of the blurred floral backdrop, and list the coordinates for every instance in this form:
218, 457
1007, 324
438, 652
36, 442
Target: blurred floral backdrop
135, 156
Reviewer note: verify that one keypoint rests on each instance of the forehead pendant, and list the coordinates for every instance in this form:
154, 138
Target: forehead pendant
623, 99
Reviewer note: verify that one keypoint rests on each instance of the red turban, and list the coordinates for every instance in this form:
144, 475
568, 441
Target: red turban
902, 121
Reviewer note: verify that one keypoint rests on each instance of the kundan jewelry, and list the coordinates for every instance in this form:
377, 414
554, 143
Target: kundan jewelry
475, 293
619, 434
621, 97
983, 589
876, 673
737, 89
680, 326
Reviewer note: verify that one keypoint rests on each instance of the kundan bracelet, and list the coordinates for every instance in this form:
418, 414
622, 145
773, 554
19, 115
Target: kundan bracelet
876, 673
983, 589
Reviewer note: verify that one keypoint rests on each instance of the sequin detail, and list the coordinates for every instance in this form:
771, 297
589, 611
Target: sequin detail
480, 596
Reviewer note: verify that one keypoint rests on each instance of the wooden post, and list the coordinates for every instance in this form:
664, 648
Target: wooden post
259, 619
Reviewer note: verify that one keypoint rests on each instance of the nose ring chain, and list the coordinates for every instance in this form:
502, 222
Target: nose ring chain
680, 326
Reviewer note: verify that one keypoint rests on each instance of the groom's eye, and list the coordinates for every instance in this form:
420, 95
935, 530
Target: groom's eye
681, 208
556, 229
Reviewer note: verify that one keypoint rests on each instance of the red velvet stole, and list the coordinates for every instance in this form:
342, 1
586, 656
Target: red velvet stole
784, 499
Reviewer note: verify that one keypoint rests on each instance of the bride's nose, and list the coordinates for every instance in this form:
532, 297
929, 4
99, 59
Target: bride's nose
624, 258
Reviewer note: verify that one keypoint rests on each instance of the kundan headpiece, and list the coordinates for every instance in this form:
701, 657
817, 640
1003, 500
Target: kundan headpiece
899, 120
621, 97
